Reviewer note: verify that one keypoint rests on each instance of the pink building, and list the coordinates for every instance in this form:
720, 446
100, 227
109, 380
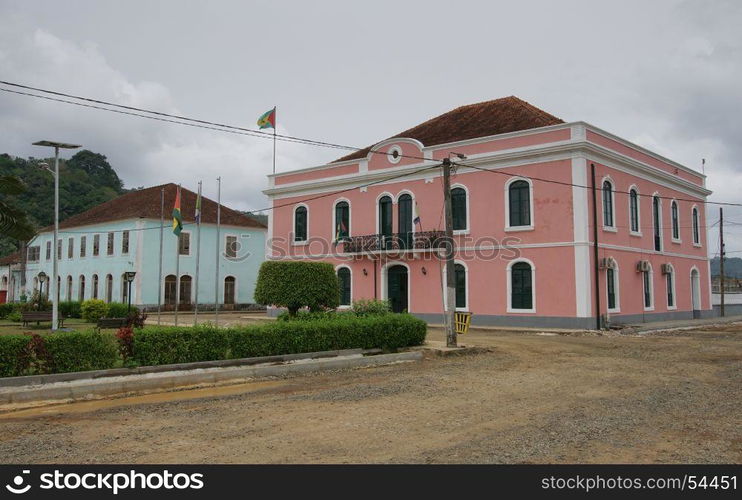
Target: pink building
523, 220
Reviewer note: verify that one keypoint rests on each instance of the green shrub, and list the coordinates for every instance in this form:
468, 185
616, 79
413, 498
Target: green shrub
169, 345
81, 351
117, 310
71, 309
312, 315
297, 284
93, 309
370, 307
15, 316
387, 332
6, 309
11, 353
37, 302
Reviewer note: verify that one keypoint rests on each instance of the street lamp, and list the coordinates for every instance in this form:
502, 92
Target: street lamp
42, 278
55, 298
129, 277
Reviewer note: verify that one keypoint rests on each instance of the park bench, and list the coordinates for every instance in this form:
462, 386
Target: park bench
39, 316
111, 323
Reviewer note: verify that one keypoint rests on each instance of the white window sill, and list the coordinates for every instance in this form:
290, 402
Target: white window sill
672, 308
461, 231
520, 311
614, 311
634, 233
649, 309
610, 229
462, 309
697, 245
299, 243
677, 242
513, 229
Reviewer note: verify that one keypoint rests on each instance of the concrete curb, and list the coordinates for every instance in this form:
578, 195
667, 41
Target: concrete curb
86, 389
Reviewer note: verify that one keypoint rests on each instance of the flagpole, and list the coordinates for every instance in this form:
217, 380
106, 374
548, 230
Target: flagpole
218, 222
159, 272
198, 250
274, 138
177, 267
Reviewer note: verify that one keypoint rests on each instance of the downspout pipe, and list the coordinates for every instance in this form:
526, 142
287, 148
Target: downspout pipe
596, 263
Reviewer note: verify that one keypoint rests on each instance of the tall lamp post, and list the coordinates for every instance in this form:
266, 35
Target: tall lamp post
55, 295
129, 277
42, 279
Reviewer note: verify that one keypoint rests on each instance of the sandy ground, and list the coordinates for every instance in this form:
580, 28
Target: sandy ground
657, 398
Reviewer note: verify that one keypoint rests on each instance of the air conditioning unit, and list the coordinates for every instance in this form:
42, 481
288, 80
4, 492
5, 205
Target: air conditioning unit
607, 263
666, 269
643, 266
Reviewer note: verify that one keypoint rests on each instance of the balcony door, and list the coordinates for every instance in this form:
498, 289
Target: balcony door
404, 222
397, 288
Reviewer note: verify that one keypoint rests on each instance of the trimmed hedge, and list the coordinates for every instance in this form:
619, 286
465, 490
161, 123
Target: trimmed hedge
168, 344
81, 351
71, 309
11, 354
6, 309
89, 350
93, 309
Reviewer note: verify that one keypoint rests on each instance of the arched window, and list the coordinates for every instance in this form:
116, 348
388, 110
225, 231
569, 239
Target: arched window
611, 288
670, 282
458, 206
95, 287
342, 221
344, 282
81, 289
657, 223
229, 289
607, 204
69, 288
109, 288
647, 285
696, 233
300, 223
385, 216
124, 289
404, 221
519, 210
460, 273
170, 284
521, 286
634, 210
185, 289
675, 221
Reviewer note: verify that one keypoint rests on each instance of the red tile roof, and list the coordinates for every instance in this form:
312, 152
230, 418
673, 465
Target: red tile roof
13, 258
500, 116
145, 203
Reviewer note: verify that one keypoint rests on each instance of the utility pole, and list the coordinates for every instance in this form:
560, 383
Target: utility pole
450, 269
721, 257
596, 263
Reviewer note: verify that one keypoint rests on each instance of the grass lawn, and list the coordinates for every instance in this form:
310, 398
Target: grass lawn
44, 327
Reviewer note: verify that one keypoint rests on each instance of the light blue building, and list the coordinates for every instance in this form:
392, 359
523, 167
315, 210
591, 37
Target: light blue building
97, 247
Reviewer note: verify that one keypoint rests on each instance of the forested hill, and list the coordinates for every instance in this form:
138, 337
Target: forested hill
85, 180
732, 267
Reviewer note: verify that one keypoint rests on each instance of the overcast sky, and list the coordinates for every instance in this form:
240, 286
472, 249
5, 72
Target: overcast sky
664, 74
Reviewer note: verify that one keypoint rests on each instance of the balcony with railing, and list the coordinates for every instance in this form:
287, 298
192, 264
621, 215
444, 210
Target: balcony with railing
395, 242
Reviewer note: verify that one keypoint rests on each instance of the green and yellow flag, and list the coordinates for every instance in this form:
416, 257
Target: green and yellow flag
177, 218
268, 119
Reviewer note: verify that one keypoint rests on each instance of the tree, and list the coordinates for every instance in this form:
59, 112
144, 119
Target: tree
294, 285
13, 221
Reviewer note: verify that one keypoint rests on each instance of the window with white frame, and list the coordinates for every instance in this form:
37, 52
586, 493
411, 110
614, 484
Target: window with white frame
70, 248
300, 223
459, 209
634, 211
521, 286
608, 204
519, 204
96, 245
611, 280
460, 280
345, 284
48, 250
675, 220
184, 243
230, 246
670, 282
83, 244
696, 231
109, 246
647, 289
125, 242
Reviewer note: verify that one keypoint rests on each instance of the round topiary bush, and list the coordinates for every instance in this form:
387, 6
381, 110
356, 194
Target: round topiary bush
294, 285
93, 310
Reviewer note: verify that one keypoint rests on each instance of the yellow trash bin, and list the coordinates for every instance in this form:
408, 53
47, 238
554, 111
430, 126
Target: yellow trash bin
462, 321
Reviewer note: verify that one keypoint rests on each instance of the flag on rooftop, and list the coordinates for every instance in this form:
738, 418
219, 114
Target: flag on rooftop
268, 119
177, 218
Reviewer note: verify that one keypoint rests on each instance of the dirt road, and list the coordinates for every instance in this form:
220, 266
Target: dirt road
657, 398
